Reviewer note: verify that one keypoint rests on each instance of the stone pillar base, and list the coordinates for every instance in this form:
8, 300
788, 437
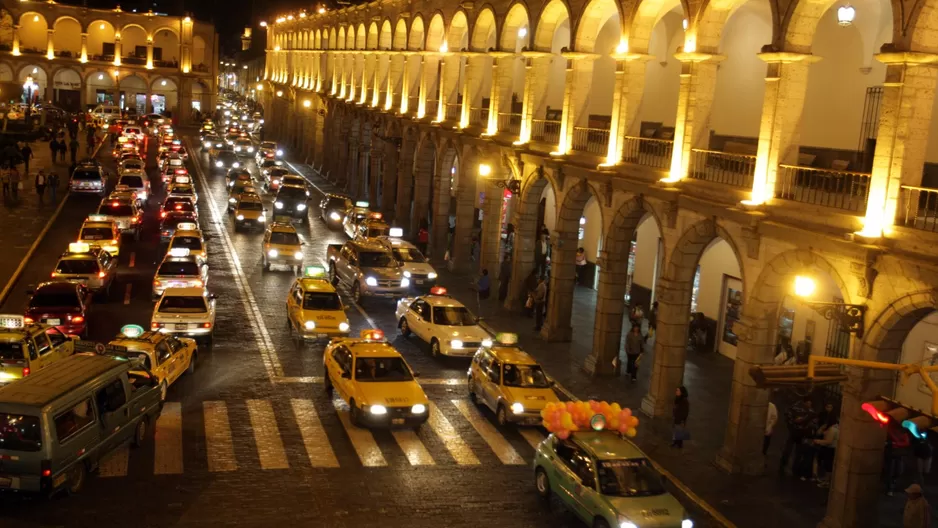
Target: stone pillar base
596, 366
557, 334
655, 408
733, 463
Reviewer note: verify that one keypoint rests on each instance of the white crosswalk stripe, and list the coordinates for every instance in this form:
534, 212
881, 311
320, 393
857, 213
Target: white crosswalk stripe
167, 459
218, 441
314, 436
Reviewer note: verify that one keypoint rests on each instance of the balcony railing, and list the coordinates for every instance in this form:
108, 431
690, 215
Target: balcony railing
921, 208
649, 152
478, 116
544, 130
593, 140
723, 167
510, 123
412, 103
826, 187
432, 108
452, 111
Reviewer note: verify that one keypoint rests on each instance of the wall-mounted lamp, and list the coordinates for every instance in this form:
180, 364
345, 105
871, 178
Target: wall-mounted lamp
846, 14
522, 32
307, 103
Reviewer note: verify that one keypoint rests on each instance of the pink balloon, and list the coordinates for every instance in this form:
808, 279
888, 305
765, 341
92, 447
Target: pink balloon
563, 435
570, 406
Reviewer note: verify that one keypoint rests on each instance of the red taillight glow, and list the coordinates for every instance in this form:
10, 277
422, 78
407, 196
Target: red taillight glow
46, 472
25, 371
133, 220
206, 325
100, 274
28, 320
46, 467
78, 319
115, 204
163, 214
53, 274
156, 326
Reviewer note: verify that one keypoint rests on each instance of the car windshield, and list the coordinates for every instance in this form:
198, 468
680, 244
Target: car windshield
291, 193
382, 369
285, 238
453, 316
630, 477
86, 175
116, 210
409, 255
376, 259
96, 233
180, 304
20, 432
321, 301
251, 206
131, 181
227, 156
178, 267
188, 242
336, 203
134, 354
53, 299
529, 376
269, 145
77, 267
11, 351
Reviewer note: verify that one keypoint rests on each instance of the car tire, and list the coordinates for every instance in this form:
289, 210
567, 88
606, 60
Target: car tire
542, 483
75, 479
405, 330
501, 416
164, 388
435, 348
141, 432
192, 361
357, 294
471, 388
355, 414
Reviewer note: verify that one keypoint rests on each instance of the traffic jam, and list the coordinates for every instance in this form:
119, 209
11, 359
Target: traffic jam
83, 372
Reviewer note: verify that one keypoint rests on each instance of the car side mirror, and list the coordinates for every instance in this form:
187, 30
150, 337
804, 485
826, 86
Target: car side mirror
212, 296
347, 375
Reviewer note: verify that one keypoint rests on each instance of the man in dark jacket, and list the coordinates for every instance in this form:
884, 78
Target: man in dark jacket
504, 277
799, 418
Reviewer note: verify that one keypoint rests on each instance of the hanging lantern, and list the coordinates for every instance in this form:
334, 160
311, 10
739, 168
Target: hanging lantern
846, 14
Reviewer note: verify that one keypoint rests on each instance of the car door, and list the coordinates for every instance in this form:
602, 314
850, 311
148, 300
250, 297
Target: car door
59, 342
491, 382
424, 320
568, 469
44, 352
342, 366
414, 318
293, 304
166, 361
111, 403
480, 372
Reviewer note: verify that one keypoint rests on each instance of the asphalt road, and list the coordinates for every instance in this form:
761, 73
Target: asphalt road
251, 439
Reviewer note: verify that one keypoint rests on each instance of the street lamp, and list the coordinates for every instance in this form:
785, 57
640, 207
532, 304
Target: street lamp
513, 185
850, 316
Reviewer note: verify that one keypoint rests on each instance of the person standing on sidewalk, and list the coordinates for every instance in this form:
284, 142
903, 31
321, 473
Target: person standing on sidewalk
27, 154
633, 350
917, 513
680, 412
423, 238
530, 284
922, 450
504, 278
798, 418
53, 182
484, 284
40, 185
73, 148
539, 297
771, 418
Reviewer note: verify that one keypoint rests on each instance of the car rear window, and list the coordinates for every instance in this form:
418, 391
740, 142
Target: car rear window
20, 432
116, 210
180, 304
53, 299
11, 351
96, 233
86, 175
131, 181
77, 267
187, 242
179, 268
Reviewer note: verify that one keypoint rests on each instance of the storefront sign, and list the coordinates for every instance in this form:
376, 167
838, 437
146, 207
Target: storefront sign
66, 85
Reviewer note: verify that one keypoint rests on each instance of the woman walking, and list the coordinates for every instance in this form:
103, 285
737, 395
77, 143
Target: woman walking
680, 412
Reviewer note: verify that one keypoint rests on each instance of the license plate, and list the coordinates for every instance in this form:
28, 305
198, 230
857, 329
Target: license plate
322, 336
419, 281
397, 421
54, 322
181, 326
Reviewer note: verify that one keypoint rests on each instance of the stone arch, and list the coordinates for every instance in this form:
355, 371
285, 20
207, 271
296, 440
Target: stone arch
67, 36
372, 41
385, 38
33, 31
425, 157
167, 38
198, 51
524, 219
134, 35
435, 32
361, 37
553, 15
516, 19
331, 44
592, 20
399, 41
889, 328
448, 159
705, 32
340, 43
682, 262
417, 37
6, 72
163, 83
458, 31
484, 29
317, 40
641, 21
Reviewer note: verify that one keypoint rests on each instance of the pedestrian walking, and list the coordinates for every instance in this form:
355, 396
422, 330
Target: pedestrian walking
27, 153
680, 412
423, 238
580, 265
53, 148
504, 277
771, 418
15, 183
5, 181
542, 251
53, 183
633, 351
923, 454
826, 446
539, 298
917, 513
73, 149
40, 183
484, 285
652, 321
798, 418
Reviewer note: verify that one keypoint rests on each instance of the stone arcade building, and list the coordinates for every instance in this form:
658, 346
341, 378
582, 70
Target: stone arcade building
717, 122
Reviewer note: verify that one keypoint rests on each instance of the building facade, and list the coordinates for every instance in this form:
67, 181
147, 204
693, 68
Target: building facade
707, 155
77, 58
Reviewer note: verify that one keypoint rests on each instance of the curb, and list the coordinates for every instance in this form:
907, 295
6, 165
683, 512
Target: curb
42, 234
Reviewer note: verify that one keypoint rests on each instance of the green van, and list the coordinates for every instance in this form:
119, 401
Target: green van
58, 423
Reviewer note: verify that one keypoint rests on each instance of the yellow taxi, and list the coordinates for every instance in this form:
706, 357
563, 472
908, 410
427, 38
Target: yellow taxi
26, 348
314, 308
249, 211
508, 381
375, 381
282, 245
165, 356
188, 236
101, 231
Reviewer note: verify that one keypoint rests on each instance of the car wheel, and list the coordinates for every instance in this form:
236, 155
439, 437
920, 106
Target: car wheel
542, 483
600, 523
405, 330
333, 278
357, 293
435, 348
355, 413
75, 480
192, 360
472, 391
501, 416
141, 432
266, 264
163, 389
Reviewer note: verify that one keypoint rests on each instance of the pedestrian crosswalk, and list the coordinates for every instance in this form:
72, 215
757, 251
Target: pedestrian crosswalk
279, 434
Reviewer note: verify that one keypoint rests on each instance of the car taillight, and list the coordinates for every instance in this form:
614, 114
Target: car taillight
206, 325
156, 326
25, 371
133, 220
199, 284
156, 283
100, 274
45, 466
163, 214
78, 319
53, 274
28, 320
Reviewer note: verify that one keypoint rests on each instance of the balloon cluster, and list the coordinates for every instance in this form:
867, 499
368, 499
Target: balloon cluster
564, 418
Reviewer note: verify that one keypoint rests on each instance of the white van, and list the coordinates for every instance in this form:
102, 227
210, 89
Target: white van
107, 113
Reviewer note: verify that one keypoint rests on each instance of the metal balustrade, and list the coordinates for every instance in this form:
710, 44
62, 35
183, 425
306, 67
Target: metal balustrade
510, 123
921, 208
825, 187
478, 116
649, 152
452, 111
544, 130
593, 140
723, 167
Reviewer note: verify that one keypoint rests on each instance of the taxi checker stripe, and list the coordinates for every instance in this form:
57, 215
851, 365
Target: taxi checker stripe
265, 344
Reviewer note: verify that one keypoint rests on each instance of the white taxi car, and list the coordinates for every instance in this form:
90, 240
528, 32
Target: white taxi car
449, 327
188, 312
188, 236
416, 266
179, 269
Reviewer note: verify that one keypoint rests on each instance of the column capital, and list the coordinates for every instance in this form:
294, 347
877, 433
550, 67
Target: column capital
906, 57
696, 56
536, 54
579, 55
629, 57
785, 57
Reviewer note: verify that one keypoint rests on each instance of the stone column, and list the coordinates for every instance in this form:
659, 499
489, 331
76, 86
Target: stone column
335, 82
319, 70
84, 50
610, 309
536, 76
353, 79
16, 39
490, 238
502, 77
447, 61
626, 100
428, 70
471, 85
118, 51
343, 75
376, 173
389, 179
902, 139
576, 92
522, 258
50, 46
695, 98
376, 83
423, 172
405, 83
405, 183
395, 67
786, 82
460, 261
667, 373
562, 280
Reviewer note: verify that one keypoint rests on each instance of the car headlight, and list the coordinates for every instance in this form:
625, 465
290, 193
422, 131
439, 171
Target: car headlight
110, 249
298, 255
236, 164
335, 216
687, 523
455, 343
486, 342
250, 149
627, 524
232, 200
405, 282
219, 164
431, 275
371, 281
278, 205
378, 409
273, 253
240, 217
262, 218
418, 408
343, 327
207, 144
407, 274
300, 207
279, 152
237, 149
309, 325
517, 408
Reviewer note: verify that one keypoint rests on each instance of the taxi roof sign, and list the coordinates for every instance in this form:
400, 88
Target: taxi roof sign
78, 247
186, 226
372, 334
362, 203
375, 215
182, 178
314, 272
12, 321
132, 331
98, 218
396, 232
179, 252
506, 338
437, 290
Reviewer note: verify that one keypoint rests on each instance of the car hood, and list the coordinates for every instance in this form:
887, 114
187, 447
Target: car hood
325, 318
533, 399
250, 214
383, 273
419, 268
660, 510
465, 333
392, 394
